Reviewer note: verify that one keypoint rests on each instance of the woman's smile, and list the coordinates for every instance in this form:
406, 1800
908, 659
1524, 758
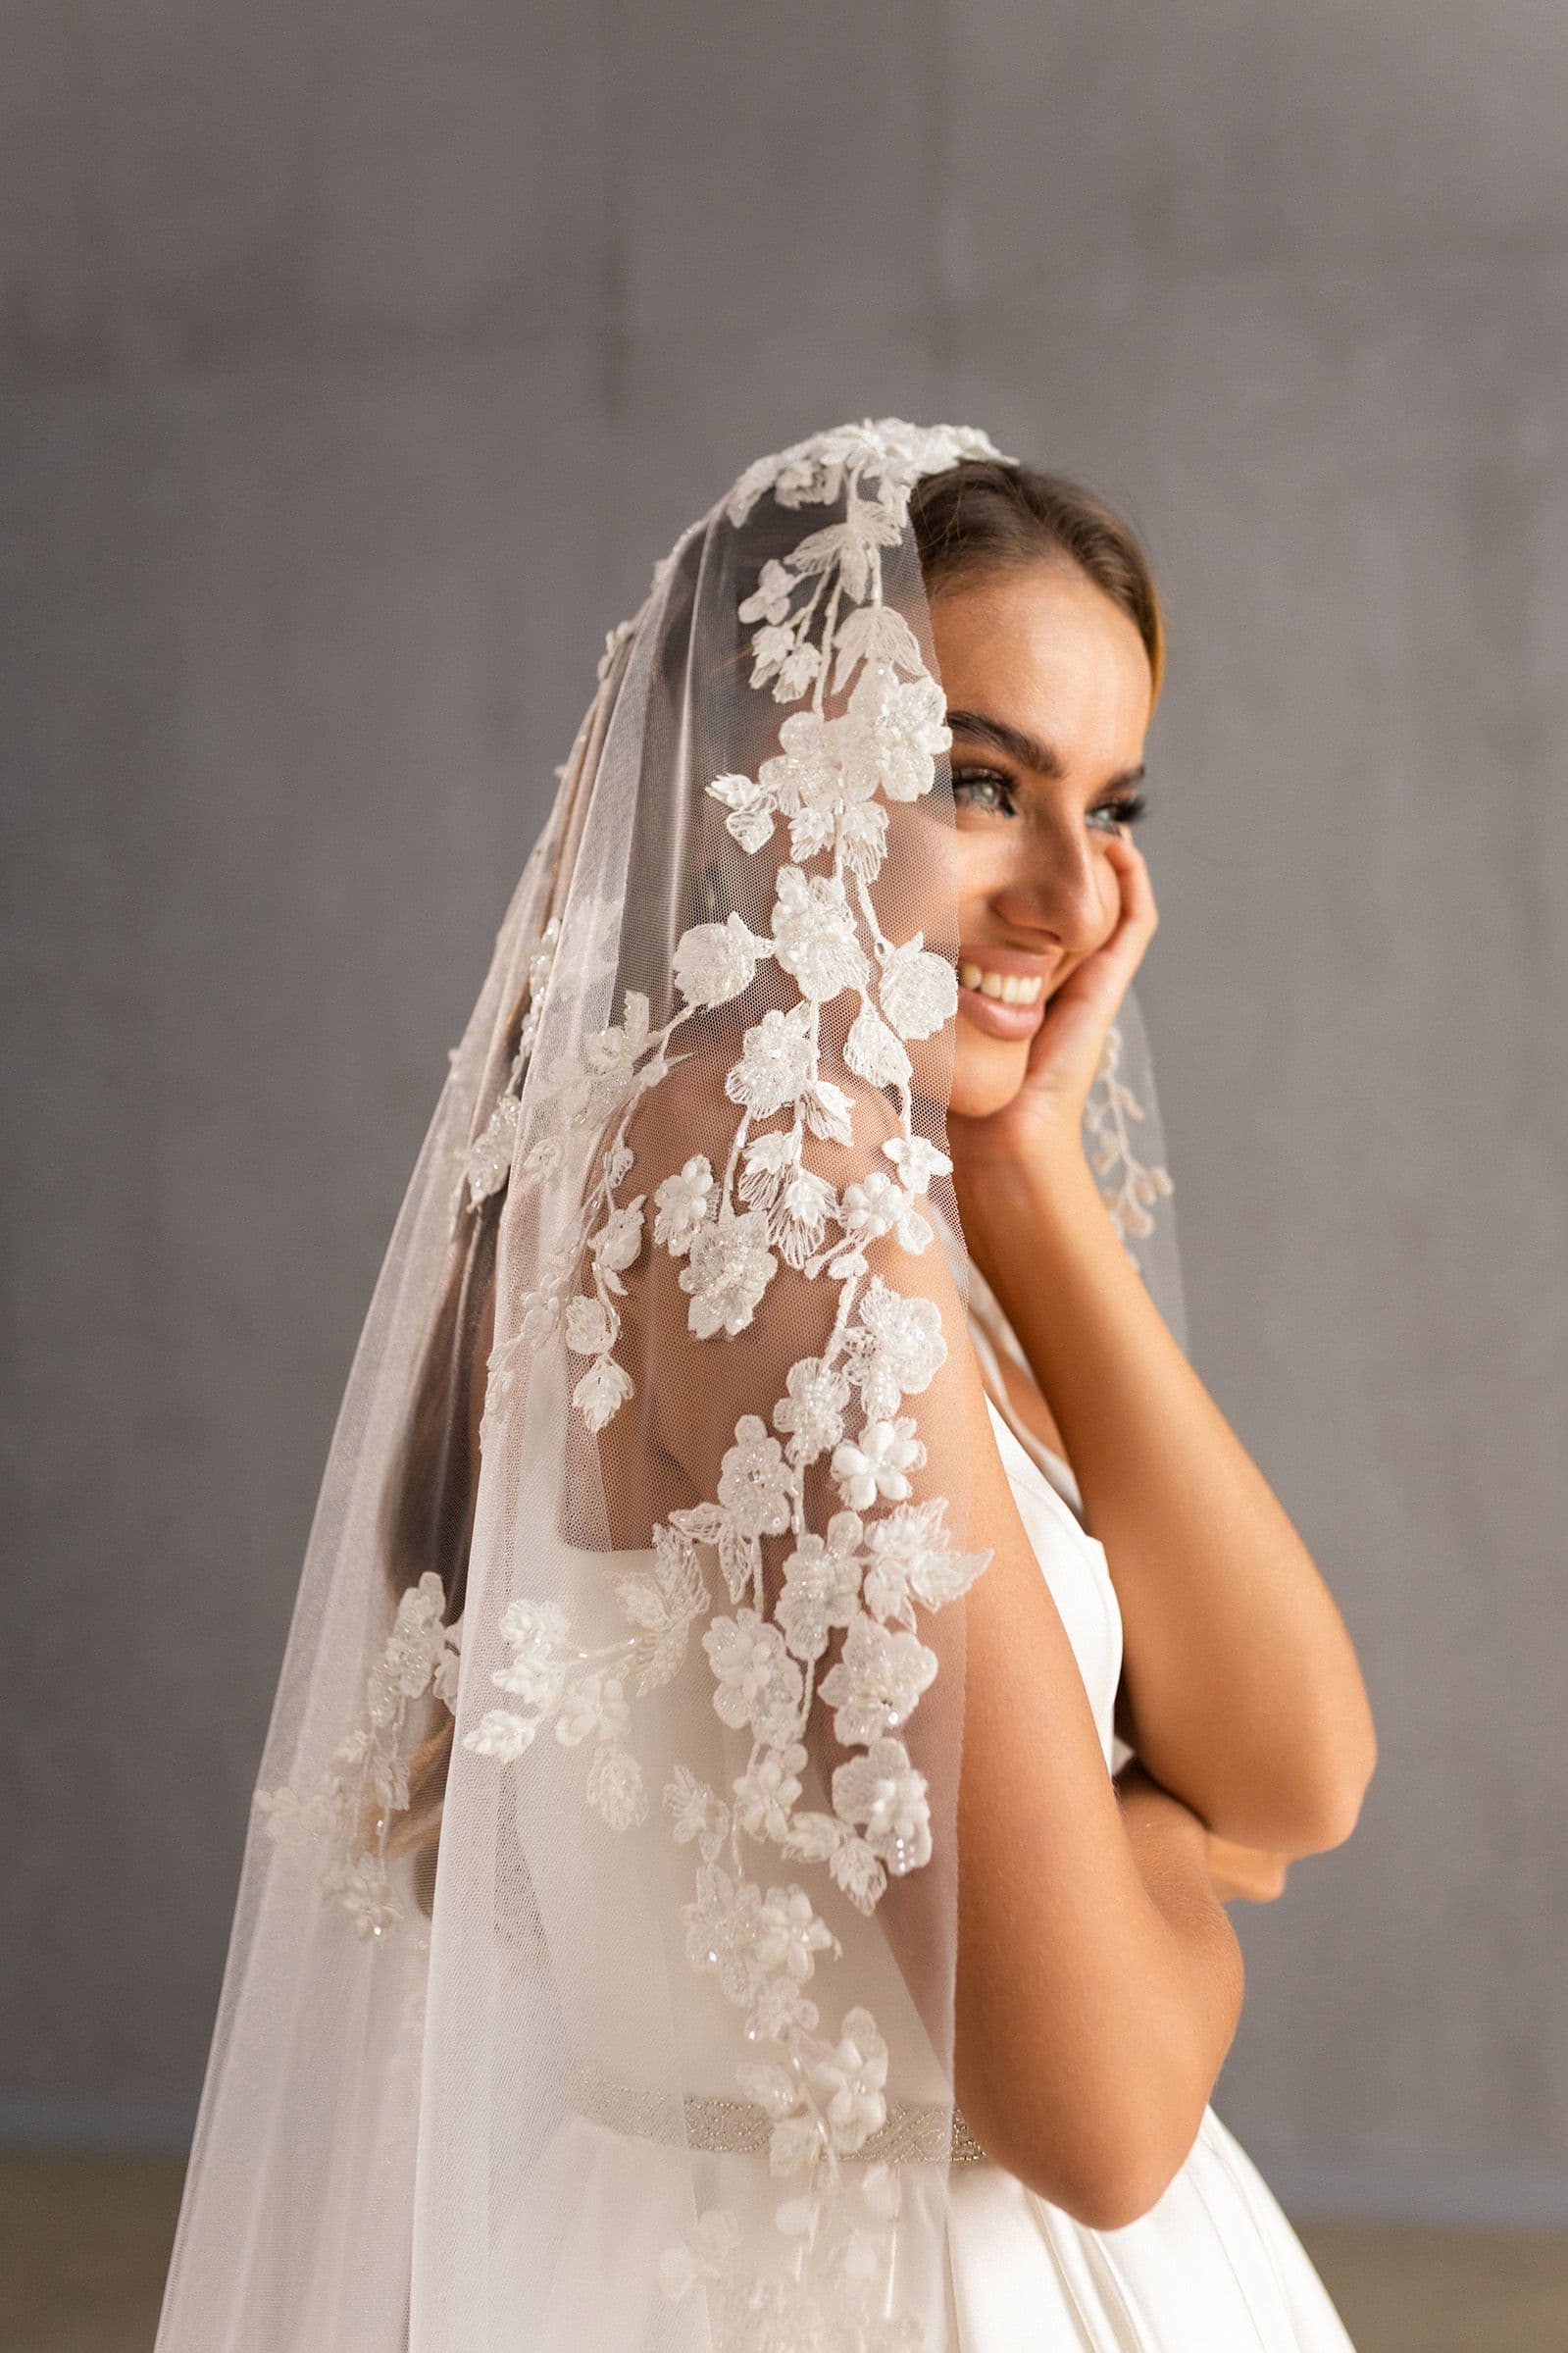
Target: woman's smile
1049, 689
1002, 990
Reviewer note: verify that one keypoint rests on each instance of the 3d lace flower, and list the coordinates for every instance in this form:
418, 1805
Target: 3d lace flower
367, 1780
820, 627
764, 1864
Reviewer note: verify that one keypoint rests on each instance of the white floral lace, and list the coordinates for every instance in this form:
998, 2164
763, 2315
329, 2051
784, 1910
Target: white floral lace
369, 1767
820, 627
1129, 1187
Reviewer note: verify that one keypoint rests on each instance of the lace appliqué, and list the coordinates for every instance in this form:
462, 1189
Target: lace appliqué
487, 1161
367, 1781
1129, 1187
820, 625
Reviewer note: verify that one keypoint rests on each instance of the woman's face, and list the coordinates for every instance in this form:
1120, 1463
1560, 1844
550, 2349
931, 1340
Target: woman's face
1048, 692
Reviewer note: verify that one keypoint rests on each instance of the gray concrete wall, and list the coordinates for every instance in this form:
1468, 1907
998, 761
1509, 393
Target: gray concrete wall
358, 360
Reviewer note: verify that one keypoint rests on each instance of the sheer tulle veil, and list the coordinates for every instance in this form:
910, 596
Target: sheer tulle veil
592, 1977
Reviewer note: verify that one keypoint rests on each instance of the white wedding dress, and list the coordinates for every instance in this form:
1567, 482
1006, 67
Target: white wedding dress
1213, 2268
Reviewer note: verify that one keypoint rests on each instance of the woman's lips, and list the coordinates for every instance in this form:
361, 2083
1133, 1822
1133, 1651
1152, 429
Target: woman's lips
1002, 992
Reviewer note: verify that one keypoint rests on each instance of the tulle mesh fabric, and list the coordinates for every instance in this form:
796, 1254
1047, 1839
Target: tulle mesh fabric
591, 1977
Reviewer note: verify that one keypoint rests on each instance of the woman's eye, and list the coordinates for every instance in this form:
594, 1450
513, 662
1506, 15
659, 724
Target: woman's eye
1112, 813
983, 788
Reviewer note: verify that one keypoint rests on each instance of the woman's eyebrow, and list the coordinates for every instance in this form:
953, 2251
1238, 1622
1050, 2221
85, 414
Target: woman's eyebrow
1005, 737
1026, 749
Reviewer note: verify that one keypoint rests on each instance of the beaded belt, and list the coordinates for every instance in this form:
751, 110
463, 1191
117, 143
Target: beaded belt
913, 2134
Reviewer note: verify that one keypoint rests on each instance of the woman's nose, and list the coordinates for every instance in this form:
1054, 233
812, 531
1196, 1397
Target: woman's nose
1058, 889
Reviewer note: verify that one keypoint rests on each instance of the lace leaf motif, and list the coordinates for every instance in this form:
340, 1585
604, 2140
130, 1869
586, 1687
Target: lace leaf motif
367, 1780
817, 616
1129, 1185
828, 786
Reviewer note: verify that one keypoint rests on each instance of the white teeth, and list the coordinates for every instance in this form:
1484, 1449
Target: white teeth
1008, 988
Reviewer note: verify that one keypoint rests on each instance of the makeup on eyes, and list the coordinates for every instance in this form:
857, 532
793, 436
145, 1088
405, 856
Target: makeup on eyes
1126, 809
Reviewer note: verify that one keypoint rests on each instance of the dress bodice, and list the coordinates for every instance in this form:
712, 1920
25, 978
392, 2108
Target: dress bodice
1074, 1567
1051, 1508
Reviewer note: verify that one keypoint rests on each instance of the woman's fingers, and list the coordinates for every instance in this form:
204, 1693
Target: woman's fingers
1140, 915
1249, 1874
1065, 1050
1101, 981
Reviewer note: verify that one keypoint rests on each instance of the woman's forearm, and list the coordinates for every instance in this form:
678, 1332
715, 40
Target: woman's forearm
1245, 1696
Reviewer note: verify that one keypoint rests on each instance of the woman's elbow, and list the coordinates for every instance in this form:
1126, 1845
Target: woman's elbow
1308, 1810
1104, 2174
1101, 2190
1337, 1808
1129, 2181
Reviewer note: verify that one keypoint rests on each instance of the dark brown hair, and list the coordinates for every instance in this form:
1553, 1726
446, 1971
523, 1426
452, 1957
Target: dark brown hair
990, 514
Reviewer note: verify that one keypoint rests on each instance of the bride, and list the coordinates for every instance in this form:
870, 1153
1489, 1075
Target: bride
791, 1663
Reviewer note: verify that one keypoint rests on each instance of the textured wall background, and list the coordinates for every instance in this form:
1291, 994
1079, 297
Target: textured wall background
359, 360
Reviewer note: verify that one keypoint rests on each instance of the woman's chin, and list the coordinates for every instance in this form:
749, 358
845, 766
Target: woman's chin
988, 1072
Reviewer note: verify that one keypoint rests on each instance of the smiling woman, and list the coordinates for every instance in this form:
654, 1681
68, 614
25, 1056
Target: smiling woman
1050, 647
694, 1900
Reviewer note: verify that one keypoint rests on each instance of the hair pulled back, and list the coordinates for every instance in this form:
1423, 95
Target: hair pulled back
990, 515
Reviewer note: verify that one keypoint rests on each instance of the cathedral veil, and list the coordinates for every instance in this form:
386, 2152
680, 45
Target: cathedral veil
592, 1977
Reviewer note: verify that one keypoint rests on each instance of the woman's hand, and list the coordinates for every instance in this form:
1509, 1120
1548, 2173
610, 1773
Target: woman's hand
1235, 1871
1046, 1115
1252, 1873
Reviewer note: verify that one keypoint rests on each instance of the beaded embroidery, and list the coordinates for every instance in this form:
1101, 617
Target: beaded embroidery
818, 2094
812, 2097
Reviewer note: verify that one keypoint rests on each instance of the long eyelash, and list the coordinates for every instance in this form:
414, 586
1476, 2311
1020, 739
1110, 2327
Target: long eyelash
1125, 812
989, 776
